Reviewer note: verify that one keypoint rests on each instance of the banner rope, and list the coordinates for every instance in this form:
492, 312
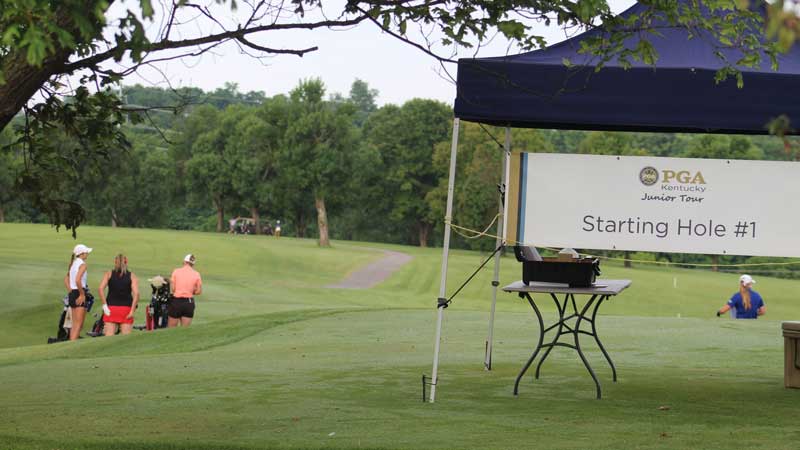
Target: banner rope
477, 234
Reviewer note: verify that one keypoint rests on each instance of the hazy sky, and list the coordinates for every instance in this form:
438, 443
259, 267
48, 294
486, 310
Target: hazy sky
398, 71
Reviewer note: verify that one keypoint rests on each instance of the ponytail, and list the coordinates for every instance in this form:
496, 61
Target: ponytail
120, 265
745, 293
71, 260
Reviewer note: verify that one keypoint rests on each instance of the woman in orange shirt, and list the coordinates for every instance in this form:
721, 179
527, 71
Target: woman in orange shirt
185, 284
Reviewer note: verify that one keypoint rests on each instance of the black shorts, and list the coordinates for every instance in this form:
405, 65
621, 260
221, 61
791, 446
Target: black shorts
180, 307
73, 297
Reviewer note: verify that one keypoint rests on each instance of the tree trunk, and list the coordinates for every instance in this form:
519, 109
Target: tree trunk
300, 222
715, 263
256, 219
322, 222
424, 231
22, 80
2, 214
627, 256
114, 221
220, 215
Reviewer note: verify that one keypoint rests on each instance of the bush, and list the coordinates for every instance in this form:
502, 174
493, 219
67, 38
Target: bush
189, 219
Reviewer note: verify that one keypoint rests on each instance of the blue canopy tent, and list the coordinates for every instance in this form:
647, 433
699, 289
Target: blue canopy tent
678, 94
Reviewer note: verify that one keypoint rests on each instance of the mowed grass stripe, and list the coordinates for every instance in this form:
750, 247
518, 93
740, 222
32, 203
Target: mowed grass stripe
168, 341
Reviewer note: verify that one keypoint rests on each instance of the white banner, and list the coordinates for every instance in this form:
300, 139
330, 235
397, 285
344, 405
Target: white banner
679, 205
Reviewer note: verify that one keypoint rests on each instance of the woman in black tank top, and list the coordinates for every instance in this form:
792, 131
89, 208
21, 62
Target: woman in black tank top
119, 289
123, 296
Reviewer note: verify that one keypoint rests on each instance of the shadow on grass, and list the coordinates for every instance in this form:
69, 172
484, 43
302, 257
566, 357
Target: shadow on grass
18, 443
167, 341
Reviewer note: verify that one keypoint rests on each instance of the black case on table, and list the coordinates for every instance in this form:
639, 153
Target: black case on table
580, 272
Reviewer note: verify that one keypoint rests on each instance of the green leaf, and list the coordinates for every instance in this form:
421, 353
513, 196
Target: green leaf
599, 67
65, 39
37, 46
10, 35
511, 28
147, 8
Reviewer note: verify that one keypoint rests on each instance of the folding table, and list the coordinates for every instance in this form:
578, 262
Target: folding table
599, 292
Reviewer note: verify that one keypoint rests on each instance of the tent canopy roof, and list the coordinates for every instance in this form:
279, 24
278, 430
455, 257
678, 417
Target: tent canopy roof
538, 90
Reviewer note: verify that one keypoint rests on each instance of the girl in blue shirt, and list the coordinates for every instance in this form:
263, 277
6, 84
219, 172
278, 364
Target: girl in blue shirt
747, 303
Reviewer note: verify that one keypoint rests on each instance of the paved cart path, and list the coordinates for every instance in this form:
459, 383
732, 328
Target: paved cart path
374, 273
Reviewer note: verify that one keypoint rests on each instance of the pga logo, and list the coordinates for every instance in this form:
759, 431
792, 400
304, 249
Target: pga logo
650, 176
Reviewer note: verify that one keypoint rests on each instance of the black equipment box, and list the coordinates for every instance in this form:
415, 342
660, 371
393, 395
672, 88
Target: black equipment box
580, 272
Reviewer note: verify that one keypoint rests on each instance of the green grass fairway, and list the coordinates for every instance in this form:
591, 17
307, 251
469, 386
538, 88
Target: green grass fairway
275, 360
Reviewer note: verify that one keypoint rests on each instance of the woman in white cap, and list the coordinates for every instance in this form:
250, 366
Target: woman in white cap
747, 303
78, 289
185, 284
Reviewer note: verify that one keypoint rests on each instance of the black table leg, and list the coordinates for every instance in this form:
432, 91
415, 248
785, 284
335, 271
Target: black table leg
562, 328
538, 344
561, 311
597, 338
576, 332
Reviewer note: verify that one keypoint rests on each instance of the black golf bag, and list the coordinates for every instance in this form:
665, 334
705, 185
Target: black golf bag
157, 309
98, 327
64, 327
63, 332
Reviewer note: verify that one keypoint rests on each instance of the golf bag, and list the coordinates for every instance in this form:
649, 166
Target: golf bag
64, 324
65, 320
157, 309
98, 328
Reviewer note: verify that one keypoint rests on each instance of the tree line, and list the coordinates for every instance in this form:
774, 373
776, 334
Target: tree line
325, 165
45, 42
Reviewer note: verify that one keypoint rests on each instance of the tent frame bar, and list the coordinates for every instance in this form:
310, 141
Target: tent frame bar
499, 242
441, 303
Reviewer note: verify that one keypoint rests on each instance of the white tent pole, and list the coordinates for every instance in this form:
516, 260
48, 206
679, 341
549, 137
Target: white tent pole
487, 360
506, 177
441, 302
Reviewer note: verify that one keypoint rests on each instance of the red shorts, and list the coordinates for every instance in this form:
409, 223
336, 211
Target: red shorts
118, 314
